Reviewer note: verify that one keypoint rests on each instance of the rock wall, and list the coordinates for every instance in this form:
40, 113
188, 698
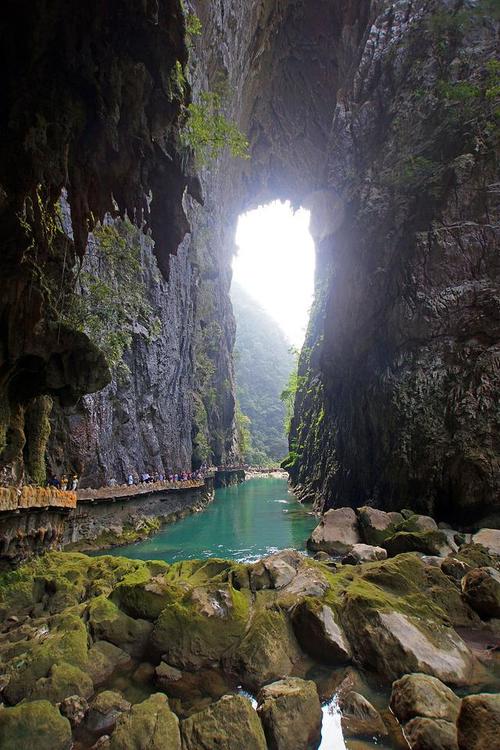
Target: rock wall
401, 364
89, 106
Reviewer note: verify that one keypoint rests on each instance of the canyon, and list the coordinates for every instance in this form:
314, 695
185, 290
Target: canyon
134, 133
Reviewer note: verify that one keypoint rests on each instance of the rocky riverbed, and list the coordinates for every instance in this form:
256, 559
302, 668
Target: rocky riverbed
115, 653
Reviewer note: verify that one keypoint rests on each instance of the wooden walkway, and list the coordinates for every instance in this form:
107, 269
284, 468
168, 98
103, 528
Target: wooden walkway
125, 492
17, 499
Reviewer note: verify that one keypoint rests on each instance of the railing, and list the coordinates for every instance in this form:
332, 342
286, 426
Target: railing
135, 490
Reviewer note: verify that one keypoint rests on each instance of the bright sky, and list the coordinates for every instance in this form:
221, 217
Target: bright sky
275, 264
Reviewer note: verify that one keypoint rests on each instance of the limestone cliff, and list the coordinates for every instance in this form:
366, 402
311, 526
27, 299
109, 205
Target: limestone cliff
400, 372
89, 104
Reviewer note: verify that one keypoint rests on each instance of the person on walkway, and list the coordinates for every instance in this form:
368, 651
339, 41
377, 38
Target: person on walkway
64, 482
130, 480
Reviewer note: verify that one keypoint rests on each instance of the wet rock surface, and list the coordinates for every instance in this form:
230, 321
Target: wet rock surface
290, 712
423, 695
197, 631
478, 722
230, 724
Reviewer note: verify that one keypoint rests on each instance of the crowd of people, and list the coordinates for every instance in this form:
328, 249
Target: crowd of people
64, 483
146, 478
70, 482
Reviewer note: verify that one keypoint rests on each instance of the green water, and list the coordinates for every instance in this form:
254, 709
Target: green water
244, 522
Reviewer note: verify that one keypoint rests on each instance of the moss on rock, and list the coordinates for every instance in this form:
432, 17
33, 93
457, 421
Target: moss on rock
150, 724
35, 724
202, 627
107, 622
229, 724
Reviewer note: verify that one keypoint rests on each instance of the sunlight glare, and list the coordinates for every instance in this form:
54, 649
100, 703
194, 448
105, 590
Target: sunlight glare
275, 264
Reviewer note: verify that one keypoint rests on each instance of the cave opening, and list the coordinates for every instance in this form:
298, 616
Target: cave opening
275, 262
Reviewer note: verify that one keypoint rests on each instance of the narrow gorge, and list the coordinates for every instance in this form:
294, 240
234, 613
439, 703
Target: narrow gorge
350, 599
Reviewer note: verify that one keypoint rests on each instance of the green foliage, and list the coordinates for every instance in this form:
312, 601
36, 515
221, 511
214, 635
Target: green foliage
208, 132
178, 83
112, 296
295, 382
193, 25
474, 102
417, 170
244, 438
262, 365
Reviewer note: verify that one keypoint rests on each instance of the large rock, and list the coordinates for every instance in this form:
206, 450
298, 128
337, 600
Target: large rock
402, 644
478, 723
423, 695
377, 525
201, 628
431, 734
489, 539
359, 717
104, 712
104, 660
396, 615
229, 724
428, 542
107, 622
63, 681
319, 633
415, 522
361, 553
150, 725
290, 712
268, 651
336, 533
481, 588
34, 725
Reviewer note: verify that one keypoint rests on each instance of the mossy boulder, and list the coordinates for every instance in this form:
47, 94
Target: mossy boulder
150, 725
290, 712
106, 659
202, 627
36, 724
63, 681
104, 712
426, 542
377, 525
396, 616
269, 650
477, 556
229, 724
481, 588
489, 539
107, 622
65, 642
145, 593
423, 695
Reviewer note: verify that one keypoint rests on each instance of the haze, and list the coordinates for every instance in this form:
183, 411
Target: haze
275, 264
